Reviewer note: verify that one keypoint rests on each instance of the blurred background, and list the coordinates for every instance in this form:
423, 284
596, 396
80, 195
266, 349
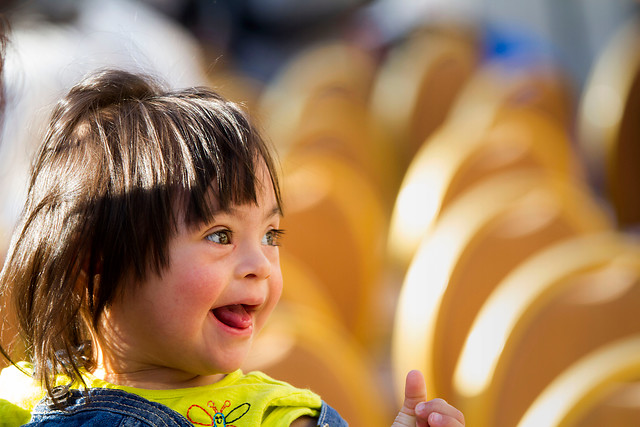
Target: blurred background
461, 184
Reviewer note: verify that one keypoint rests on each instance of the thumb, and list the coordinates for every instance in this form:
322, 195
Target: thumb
415, 391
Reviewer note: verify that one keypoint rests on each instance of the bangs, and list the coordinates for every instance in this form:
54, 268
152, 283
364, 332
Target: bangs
211, 160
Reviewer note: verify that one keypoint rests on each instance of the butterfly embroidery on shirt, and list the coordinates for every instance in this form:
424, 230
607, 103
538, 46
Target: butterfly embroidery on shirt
218, 419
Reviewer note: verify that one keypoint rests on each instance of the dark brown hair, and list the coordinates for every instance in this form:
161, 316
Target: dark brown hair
122, 164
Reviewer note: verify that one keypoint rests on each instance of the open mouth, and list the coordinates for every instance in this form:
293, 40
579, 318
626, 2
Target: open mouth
236, 316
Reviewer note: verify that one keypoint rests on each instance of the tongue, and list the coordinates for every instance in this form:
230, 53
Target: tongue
234, 316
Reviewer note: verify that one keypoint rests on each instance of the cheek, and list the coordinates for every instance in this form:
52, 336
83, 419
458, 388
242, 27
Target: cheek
275, 291
276, 281
183, 297
197, 291
193, 284
194, 277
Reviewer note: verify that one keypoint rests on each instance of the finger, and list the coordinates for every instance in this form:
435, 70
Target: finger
415, 391
439, 413
404, 420
438, 420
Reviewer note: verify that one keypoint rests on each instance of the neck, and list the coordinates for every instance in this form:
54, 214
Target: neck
152, 378
145, 376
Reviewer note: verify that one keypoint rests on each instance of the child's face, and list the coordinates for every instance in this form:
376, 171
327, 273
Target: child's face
200, 316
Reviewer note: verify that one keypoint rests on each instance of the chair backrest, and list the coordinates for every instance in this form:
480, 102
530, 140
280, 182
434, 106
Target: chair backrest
318, 103
560, 304
609, 124
498, 86
599, 389
456, 158
335, 122
304, 288
335, 224
480, 238
418, 84
316, 70
620, 407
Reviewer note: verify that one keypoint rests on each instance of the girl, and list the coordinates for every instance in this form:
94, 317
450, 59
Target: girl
146, 261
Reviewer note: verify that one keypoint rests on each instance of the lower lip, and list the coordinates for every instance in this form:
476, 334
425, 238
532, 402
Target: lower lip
246, 332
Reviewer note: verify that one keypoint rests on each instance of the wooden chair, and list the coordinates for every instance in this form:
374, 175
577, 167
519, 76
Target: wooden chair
609, 124
317, 70
599, 389
619, 407
335, 122
304, 288
557, 306
335, 225
418, 83
498, 87
307, 349
478, 240
318, 103
455, 158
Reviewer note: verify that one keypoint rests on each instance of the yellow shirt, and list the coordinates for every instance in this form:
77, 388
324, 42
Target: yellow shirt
240, 399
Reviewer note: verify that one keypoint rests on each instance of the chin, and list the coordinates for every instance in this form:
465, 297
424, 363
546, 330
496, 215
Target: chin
227, 367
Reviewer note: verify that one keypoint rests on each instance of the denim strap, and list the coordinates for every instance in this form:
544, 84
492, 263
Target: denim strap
329, 417
100, 407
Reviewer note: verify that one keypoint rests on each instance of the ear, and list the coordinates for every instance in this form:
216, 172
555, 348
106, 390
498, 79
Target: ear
88, 278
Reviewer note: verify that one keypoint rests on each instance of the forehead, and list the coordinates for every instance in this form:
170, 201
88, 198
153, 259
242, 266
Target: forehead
216, 201
249, 185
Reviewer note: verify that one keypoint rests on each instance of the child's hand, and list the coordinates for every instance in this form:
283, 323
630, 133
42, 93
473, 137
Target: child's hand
416, 411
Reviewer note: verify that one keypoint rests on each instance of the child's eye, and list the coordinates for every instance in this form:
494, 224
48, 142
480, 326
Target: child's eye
273, 237
222, 237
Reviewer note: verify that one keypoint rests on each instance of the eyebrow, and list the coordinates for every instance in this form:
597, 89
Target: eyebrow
275, 211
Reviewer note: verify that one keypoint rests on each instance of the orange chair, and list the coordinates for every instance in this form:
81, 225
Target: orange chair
335, 225
317, 70
336, 123
318, 103
455, 158
560, 304
608, 124
479, 239
304, 288
496, 88
599, 389
418, 83
619, 407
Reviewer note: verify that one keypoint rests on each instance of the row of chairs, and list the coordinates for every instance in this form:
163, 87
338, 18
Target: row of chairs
562, 303
437, 206
521, 285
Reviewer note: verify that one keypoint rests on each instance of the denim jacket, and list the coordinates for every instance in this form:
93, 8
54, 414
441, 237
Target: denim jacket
112, 407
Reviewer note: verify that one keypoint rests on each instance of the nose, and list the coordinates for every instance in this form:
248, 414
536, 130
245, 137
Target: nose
254, 262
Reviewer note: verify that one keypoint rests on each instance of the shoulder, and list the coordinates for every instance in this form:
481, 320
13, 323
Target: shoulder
13, 415
18, 394
282, 402
18, 388
260, 377
281, 389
